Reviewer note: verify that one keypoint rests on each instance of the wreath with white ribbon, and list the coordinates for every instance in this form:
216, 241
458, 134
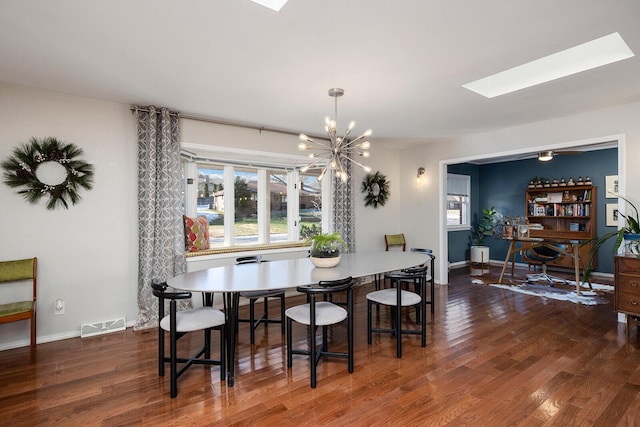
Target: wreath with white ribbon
376, 189
48, 167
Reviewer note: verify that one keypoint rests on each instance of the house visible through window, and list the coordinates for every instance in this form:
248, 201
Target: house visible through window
268, 204
458, 201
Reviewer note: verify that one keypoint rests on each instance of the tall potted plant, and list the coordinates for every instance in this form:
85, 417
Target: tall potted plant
484, 228
630, 234
326, 249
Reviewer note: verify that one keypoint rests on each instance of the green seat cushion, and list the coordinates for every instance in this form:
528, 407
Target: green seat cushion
15, 308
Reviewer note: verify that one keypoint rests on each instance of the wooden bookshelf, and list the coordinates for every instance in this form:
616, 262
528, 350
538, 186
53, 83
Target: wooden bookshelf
566, 214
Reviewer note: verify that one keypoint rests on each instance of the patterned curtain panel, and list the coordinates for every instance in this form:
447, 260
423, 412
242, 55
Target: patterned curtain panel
161, 231
344, 219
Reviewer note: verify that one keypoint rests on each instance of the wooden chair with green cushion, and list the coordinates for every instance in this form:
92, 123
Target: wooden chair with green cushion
391, 240
21, 270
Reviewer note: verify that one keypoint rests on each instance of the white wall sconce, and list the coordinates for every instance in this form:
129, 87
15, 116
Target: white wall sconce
421, 172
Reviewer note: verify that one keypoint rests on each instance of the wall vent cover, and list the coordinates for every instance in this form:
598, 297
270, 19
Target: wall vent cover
105, 327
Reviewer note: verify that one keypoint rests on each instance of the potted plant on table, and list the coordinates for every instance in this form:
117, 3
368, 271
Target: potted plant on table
630, 233
326, 249
484, 228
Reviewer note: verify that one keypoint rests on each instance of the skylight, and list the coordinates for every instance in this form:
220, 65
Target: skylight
596, 53
272, 4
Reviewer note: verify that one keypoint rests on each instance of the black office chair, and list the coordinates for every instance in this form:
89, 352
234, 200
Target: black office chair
396, 297
254, 296
544, 254
323, 314
178, 324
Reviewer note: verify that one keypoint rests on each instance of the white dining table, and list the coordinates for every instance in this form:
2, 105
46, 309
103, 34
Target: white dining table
282, 274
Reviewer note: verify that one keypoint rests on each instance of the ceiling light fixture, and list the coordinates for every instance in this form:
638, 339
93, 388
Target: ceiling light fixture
596, 53
545, 156
338, 151
272, 4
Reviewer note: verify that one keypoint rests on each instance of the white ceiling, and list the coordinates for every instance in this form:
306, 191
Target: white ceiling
401, 63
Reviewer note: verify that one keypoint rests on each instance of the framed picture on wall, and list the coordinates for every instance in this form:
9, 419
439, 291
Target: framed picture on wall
610, 186
612, 214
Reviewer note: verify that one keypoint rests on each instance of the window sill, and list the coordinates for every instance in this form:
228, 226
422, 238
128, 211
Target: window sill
245, 248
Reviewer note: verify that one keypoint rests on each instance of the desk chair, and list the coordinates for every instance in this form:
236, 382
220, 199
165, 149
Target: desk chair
397, 298
178, 324
23, 270
323, 314
543, 254
254, 296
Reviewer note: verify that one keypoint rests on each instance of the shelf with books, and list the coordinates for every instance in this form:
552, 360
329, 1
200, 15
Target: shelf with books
565, 214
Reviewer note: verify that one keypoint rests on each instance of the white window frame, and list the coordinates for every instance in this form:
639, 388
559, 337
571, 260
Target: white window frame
459, 185
191, 167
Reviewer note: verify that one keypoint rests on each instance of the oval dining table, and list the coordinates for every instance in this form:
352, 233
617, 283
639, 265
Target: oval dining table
230, 280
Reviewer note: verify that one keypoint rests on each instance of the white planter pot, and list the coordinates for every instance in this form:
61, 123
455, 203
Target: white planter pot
325, 262
480, 255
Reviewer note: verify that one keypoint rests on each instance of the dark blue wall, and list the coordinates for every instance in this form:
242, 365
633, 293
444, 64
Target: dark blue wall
503, 185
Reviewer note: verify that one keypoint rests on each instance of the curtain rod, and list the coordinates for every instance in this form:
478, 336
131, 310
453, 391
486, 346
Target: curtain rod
228, 123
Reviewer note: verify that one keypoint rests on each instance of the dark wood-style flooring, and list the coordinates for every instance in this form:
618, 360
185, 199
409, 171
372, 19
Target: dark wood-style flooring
493, 358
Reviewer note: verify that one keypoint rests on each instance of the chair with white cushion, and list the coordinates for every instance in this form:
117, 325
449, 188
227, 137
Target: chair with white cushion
179, 323
396, 297
323, 313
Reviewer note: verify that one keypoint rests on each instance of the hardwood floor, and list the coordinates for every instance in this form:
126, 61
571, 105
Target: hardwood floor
493, 358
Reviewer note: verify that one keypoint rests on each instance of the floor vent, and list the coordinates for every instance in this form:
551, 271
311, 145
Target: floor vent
99, 328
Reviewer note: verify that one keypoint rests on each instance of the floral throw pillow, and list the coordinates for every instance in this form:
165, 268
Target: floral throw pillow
196, 231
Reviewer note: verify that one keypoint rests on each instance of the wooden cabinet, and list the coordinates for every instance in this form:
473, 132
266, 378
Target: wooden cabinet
627, 285
567, 213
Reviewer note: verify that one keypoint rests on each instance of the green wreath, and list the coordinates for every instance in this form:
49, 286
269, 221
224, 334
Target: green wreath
376, 189
20, 170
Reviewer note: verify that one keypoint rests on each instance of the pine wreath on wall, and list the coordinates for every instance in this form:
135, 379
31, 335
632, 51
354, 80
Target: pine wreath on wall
376, 189
48, 167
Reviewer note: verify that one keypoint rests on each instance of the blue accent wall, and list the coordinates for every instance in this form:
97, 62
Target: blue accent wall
503, 185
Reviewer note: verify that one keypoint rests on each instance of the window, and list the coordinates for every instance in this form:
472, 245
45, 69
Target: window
458, 201
267, 204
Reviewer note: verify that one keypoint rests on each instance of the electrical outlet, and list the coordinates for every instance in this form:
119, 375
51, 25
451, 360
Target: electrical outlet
59, 307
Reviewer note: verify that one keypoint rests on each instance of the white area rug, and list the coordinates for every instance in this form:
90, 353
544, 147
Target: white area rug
587, 296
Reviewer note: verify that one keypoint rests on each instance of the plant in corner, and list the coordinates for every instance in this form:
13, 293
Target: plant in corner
630, 233
485, 226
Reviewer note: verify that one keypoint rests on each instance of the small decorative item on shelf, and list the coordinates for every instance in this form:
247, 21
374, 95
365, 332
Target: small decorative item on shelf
554, 183
562, 183
588, 181
580, 181
547, 184
571, 183
531, 184
326, 249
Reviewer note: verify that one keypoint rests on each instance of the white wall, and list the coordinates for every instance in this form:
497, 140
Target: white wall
620, 120
87, 255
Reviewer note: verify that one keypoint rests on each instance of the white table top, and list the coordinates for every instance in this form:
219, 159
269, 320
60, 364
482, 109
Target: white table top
291, 273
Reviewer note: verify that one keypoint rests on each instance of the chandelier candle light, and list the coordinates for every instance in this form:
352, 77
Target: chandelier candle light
337, 151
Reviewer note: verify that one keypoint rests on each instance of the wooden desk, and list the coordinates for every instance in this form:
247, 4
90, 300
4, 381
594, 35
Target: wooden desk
283, 274
531, 242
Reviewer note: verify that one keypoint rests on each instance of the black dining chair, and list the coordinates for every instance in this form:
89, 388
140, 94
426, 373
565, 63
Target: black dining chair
321, 314
254, 296
396, 297
178, 324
